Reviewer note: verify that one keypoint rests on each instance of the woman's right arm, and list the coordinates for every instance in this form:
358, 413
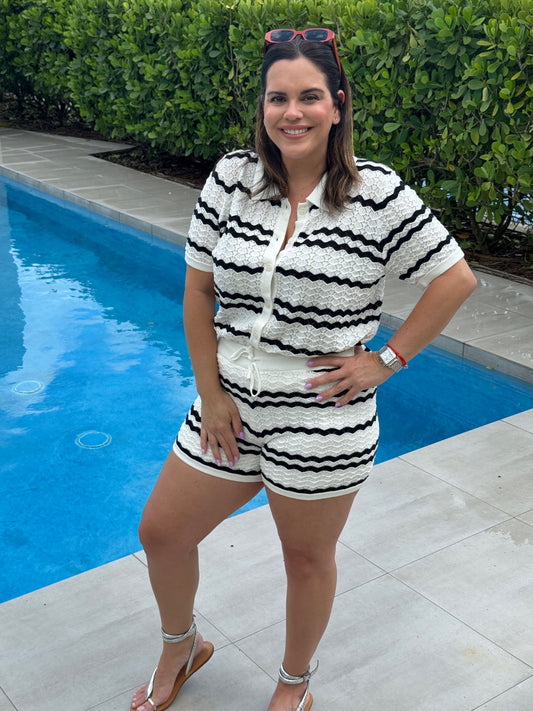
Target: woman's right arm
221, 423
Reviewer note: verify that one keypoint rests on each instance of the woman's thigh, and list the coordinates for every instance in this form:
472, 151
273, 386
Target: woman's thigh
310, 527
187, 504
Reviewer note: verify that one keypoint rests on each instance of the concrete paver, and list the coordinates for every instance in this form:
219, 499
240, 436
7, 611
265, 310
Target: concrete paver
434, 600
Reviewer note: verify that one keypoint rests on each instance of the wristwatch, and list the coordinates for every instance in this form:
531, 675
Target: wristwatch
389, 358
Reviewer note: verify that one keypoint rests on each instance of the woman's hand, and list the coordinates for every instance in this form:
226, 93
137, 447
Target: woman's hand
221, 425
353, 374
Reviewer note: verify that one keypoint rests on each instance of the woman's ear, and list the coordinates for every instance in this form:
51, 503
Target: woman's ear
342, 96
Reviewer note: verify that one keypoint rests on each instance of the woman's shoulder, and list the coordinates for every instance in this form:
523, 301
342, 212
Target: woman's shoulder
238, 163
235, 171
376, 180
244, 155
371, 171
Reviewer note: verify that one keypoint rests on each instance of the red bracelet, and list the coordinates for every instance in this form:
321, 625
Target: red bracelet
400, 358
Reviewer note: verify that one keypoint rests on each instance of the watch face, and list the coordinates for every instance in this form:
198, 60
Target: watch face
388, 358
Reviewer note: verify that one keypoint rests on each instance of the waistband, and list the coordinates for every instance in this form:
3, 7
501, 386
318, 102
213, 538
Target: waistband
256, 360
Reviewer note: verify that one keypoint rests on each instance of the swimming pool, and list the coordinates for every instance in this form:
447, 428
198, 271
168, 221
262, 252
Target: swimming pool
95, 379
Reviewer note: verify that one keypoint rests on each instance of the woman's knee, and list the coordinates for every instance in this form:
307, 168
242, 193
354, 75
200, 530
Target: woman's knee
152, 534
158, 535
305, 561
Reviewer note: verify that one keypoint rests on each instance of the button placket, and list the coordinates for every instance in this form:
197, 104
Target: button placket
301, 216
267, 276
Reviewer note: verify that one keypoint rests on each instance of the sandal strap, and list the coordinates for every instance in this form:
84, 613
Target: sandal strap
175, 638
287, 678
303, 702
149, 692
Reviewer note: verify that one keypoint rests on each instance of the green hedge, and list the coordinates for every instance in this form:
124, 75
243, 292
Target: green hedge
448, 101
443, 89
34, 58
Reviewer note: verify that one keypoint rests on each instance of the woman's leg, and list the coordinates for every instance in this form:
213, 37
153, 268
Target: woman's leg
184, 507
309, 531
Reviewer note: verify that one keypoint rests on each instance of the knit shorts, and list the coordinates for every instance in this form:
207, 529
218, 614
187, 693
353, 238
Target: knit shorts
294, 445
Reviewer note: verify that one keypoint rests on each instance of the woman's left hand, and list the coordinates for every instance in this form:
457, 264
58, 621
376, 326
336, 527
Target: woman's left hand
352, 374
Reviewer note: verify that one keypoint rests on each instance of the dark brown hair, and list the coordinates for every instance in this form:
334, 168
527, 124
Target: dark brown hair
340, 164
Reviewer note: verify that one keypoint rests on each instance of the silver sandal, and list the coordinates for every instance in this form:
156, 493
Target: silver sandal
193, 664
286, 678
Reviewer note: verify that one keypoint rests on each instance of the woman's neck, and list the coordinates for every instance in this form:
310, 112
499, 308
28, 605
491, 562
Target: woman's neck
303, 178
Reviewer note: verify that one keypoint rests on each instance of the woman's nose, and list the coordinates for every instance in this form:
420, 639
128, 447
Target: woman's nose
293, 111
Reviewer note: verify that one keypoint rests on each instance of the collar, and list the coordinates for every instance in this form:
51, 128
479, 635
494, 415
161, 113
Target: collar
317, 196
270, 192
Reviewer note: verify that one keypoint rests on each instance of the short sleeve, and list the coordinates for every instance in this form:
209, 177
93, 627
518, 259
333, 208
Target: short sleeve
419, 248
207, 217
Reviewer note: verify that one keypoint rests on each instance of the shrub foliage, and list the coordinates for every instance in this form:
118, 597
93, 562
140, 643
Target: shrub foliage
443, 89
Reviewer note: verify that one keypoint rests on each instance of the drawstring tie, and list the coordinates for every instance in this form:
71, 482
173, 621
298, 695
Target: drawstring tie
253, 374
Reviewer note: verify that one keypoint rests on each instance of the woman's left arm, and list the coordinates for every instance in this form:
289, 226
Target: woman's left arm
432, 313
436, 307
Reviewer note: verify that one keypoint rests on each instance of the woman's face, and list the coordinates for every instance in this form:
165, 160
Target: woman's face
299, 110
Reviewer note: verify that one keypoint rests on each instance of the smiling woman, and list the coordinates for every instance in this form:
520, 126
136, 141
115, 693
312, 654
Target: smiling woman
293, 243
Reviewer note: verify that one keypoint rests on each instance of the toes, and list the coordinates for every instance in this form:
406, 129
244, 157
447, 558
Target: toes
138, 700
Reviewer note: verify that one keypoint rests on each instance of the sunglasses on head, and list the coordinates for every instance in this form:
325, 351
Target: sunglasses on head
313, 34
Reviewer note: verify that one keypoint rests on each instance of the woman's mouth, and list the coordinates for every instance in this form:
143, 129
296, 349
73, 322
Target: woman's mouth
295, 131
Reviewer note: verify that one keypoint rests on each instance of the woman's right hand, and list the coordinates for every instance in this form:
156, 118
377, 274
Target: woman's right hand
221, 425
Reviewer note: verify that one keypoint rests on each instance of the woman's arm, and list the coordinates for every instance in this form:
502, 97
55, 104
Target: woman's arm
220, 417
434, 310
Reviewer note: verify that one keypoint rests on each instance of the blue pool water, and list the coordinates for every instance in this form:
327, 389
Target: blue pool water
95, 379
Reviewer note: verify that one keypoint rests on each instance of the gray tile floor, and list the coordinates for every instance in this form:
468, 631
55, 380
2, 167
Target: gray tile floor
435, 596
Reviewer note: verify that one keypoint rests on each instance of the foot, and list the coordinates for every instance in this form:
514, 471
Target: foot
173, 658
287, 697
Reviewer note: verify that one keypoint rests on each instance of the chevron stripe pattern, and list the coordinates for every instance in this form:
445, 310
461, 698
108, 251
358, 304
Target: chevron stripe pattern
295, 445
319, 294
325, 290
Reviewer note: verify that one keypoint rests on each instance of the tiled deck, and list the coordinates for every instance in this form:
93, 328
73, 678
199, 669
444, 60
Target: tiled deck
435, 595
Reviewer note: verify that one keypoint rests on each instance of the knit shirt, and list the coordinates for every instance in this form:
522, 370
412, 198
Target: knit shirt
323, 292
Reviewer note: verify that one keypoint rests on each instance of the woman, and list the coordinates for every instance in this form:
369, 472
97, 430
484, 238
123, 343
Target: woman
293, 242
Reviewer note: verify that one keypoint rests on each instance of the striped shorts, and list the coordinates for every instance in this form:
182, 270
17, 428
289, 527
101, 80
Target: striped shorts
294, 445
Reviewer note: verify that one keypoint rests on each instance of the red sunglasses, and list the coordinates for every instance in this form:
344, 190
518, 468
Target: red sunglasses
313, 34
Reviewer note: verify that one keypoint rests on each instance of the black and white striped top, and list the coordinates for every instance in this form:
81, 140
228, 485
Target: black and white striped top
323, 292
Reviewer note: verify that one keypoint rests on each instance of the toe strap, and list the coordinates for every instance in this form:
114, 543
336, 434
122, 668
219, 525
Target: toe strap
150, 691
